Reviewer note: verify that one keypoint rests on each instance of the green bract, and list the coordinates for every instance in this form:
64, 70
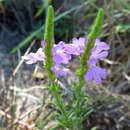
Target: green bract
48, 37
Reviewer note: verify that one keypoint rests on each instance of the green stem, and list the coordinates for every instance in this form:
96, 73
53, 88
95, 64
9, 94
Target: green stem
58, 100
78, 124
60, 104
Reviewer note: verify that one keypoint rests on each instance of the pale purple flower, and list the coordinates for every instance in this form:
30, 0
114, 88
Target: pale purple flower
59, 54
99, 51
35, 57
92, 62
76, 47
58, 70
80, 43
72, 49
101, 45
96, 73
62, 55
59, 57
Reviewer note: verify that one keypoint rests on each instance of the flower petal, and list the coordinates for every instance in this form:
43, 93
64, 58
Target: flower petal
88, 76
59, 71
71, 49
96, 75
102, 72
92, 61
100, 55
101, 45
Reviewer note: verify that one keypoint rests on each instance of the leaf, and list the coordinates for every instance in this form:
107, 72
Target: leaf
70, 114
45, 86
29, 38
57, 113
40, 11
63, 94
94, 128
51, 102
62, 122
87, 112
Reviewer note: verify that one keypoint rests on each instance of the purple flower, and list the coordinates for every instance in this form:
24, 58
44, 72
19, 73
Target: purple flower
62, 55
58, 70
59, 54
99, 51
96, 73
76, 47
72, 49
34, 57
80, 43
101, 45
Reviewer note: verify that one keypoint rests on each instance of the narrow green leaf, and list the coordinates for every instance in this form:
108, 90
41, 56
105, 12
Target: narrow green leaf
94, 128
40, 11
45, 86
29, 38
51, 102
62, 122
88, 112
63, 94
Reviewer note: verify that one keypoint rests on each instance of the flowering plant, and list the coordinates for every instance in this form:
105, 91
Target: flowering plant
54, 56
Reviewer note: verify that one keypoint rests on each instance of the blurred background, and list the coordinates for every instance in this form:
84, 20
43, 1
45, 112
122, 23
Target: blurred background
22, 29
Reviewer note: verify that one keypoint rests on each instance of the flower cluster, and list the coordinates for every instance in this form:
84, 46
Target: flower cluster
99, 51
62, 54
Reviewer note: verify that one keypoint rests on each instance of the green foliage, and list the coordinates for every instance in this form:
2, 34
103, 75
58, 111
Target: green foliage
48, 37
40, 11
